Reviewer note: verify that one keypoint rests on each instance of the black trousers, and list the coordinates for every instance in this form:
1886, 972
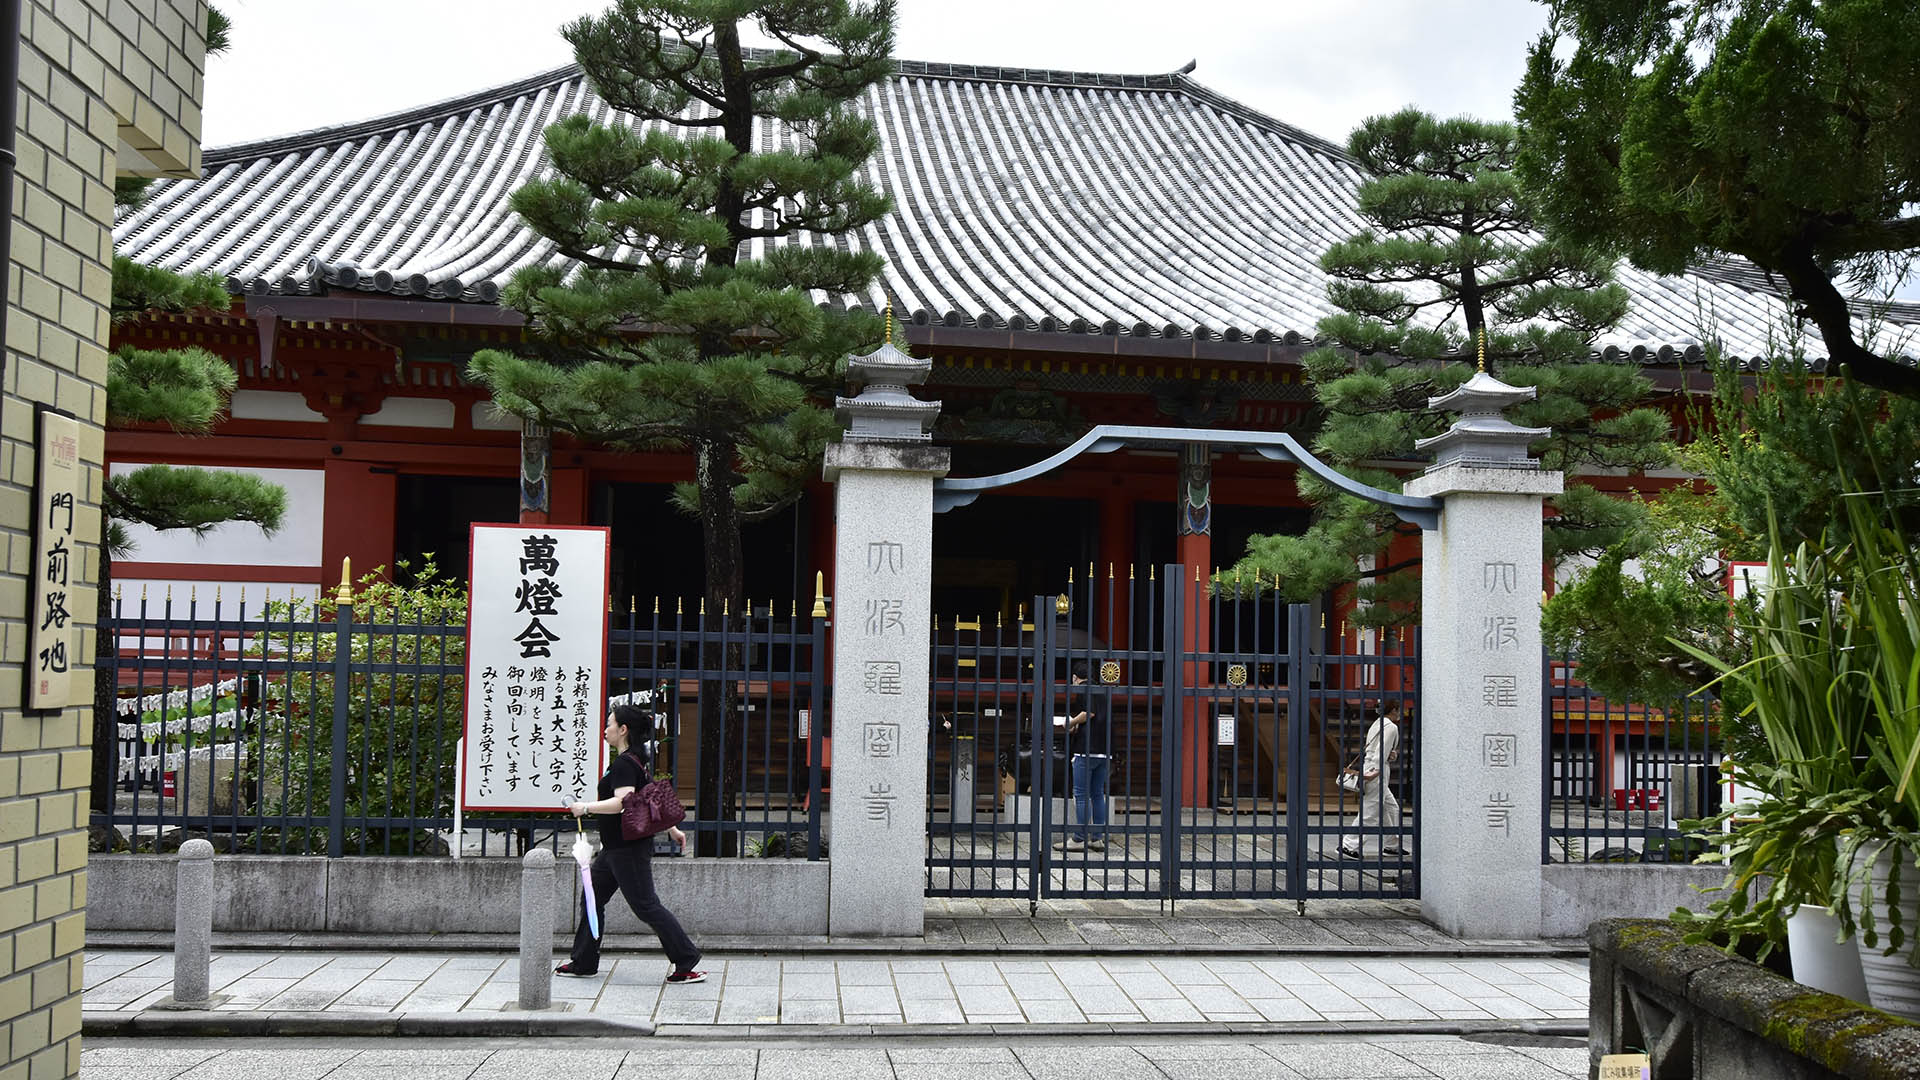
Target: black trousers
630, 869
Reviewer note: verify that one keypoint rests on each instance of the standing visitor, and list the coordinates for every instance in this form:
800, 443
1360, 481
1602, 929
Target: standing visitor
1378, 804
1090, 746
627, 863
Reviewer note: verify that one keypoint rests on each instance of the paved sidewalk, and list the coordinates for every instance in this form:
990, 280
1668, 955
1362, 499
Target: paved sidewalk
791, 991
1006, 927
1318, 1058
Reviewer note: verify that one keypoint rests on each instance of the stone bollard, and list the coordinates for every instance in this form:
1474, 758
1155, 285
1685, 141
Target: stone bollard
536, 929
193, 927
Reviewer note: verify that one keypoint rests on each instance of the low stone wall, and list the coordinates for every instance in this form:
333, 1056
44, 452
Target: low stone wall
1574, 895
304, 893
1703, 1014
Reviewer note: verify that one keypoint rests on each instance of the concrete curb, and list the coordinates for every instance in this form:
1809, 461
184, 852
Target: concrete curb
190, 1024
1566, 1028
507, 944
199, 1023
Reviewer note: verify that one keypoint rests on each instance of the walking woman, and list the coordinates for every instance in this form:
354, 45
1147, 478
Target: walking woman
1379, 807
627, 863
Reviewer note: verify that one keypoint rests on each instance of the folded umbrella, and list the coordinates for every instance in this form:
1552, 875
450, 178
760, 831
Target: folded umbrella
583, 854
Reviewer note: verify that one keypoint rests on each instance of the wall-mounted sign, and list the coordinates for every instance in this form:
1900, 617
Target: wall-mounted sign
536, 641
53, 637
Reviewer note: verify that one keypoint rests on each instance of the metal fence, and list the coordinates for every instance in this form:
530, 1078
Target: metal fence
294, 727
1232, 717
1620, 777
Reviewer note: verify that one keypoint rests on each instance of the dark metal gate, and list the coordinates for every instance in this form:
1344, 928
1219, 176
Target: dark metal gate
1233, 716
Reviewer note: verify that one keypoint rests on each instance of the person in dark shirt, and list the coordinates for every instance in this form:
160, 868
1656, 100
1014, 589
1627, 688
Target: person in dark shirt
627, 864
1089, 743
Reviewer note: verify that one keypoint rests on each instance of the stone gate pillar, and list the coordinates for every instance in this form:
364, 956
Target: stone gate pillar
1478, 722
883, 471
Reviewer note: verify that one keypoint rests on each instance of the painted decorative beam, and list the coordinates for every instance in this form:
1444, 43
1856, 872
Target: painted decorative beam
952, 491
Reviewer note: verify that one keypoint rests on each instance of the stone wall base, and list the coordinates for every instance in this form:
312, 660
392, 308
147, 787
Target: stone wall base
302, 893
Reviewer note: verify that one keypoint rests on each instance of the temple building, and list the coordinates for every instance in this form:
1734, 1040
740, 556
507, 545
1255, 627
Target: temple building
1068, 248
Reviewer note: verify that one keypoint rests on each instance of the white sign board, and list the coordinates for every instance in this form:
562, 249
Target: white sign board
536, 648
53, 639
1745, 577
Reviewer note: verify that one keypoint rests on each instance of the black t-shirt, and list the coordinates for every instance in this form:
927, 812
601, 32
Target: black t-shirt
1094, 736
624, 772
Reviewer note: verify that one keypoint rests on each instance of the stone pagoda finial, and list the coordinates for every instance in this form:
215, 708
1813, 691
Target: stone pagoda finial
884, 409
1482, 437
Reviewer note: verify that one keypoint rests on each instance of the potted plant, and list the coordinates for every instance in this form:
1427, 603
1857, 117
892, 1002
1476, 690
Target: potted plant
1881, 602
1831, 680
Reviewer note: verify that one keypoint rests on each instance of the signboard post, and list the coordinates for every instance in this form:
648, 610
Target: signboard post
53, 643
536, 680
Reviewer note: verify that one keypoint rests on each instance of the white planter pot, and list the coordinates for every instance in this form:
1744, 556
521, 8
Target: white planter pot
1892, 984
1819, 960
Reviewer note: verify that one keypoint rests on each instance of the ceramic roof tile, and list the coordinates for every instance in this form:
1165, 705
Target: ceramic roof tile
1149, 202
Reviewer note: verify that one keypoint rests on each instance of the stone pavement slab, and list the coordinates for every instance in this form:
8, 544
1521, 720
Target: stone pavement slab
1011, 927
795, 990
1047, 1058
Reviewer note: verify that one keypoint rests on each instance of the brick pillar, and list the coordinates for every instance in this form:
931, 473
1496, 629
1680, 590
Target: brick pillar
81, 63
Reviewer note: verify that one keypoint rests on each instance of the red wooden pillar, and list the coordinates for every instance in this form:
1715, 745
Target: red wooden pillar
1112, 620
567, 497
357, 520
821, 507
1194, 515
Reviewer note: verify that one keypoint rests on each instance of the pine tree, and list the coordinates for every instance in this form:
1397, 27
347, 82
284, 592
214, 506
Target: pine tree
187, 390
686, 322
1452, 255
1786, 132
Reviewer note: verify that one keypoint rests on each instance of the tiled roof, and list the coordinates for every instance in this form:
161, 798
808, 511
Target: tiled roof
1073, 202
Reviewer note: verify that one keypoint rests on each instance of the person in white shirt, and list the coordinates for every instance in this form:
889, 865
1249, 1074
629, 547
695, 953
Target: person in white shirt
1378, 805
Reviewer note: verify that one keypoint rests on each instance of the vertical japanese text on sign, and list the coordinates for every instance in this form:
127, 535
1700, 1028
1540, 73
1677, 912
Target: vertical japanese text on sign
536, 634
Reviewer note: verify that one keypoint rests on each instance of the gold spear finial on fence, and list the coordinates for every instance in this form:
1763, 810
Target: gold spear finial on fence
344, 594
1061, 605
819, 594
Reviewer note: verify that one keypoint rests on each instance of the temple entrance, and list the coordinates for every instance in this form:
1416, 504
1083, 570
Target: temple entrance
1223, 762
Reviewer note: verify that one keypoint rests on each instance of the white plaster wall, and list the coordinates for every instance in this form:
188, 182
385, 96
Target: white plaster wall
487, 418
282, 405
203, 596
239, 543
411, 412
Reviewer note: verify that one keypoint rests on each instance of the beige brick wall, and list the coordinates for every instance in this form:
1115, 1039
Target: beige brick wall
106, 87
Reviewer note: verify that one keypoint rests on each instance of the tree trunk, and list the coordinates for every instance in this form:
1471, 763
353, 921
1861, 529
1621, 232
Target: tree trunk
1824, 304
720, 756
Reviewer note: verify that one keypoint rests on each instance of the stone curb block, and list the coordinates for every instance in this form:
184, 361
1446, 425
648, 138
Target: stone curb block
443, 1025
1568, 1028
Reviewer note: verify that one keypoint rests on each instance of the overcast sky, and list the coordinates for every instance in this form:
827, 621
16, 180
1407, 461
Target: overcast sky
1323, 66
